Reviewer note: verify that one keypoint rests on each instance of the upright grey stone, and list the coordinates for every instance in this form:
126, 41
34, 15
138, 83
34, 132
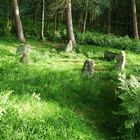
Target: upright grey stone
24, 58
24, 50
69, 47
109, 55
121, 61
88, 68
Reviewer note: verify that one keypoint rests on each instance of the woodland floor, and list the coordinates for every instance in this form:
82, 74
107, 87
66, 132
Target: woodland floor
69, 106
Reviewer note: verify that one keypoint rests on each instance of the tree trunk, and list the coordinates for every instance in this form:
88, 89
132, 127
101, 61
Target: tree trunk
34, 13
109, 19
134, 20
69, 24
7, 16
80, 19
17, 22
42, 19
56, 22
86, 15
85, 22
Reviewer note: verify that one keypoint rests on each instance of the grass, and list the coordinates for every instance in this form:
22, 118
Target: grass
50, 99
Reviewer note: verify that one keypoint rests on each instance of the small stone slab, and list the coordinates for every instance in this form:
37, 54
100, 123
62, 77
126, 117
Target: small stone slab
109, 55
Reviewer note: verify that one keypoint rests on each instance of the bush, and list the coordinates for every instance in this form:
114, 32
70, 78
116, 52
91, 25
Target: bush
129, 95
108, 41
57, 36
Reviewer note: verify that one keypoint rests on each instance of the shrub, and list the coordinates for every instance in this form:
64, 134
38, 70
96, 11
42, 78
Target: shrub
57, 36
129, 95
108, 41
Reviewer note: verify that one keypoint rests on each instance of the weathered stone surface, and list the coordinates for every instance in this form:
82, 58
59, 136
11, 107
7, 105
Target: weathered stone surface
121, 61
109, 56
24, 48
69, 47
88, 68
24, 59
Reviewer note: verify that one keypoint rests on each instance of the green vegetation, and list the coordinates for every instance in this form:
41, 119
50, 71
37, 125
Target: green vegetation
49, 98
129, 93
123, 43
80, 81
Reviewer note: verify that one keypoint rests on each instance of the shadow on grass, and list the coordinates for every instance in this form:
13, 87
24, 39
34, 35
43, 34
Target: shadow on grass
92, 99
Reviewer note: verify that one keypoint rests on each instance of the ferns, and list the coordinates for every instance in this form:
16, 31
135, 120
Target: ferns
124, 43
129, 93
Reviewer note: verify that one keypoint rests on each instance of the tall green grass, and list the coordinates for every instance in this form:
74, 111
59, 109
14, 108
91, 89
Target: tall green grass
51, 100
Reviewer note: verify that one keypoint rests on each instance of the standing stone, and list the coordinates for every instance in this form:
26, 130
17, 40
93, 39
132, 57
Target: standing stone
109, 56
24, 58
121, 61
88, 68
24, 50
69, 47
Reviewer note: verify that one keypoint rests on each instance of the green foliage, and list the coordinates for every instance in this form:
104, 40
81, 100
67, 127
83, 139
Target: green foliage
93, 7
5, 30
124, 43
51, 99
129, 94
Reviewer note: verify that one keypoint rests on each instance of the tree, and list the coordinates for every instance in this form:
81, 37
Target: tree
134, 19
89, 9
109, 17
42, 19
55, 12
69, 24
85, 18
34, 12
17, 22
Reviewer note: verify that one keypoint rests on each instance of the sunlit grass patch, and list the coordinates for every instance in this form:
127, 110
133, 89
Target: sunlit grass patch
28, 117
51, 99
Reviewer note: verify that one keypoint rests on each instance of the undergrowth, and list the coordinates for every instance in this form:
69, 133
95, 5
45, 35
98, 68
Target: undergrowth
124, 43
49, 98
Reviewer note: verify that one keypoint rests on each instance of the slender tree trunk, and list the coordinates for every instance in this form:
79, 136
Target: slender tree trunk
130, 31
7, 15
80, 19
69, 24
42, 19
109, 19
55, 16
34, 13
85, 17
47, 24
134, 20
17, 22
57, 21
54, 31
85, 22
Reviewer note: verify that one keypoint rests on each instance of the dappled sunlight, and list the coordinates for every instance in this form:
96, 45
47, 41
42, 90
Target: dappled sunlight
69, 70
50, 95
33, 115
33, 107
